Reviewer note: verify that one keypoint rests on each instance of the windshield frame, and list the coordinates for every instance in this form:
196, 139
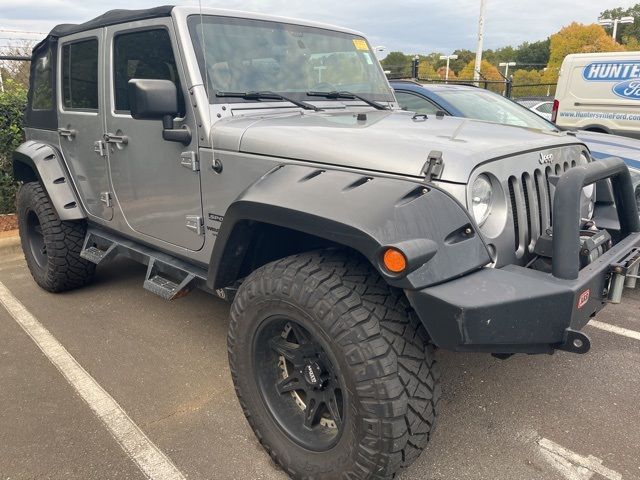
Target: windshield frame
194, 20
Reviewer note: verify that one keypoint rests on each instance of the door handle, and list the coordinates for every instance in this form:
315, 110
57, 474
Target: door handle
67, 133
118, 139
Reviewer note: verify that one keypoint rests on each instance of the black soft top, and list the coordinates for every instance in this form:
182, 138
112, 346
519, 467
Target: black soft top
47, 118
112, 17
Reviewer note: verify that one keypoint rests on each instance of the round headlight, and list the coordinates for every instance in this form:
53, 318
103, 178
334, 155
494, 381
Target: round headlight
481, 198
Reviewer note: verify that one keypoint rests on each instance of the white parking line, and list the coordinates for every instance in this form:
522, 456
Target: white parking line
613, 329
572, 465
153, 463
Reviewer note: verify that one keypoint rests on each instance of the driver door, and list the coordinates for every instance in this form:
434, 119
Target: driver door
158, 191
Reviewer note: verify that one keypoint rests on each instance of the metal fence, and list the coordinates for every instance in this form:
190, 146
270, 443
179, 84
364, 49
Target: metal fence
503, 86
11, 65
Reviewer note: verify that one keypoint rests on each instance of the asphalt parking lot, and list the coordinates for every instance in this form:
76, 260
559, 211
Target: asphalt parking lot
530, 417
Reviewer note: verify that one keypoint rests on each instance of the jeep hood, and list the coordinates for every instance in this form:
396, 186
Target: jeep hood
384, 141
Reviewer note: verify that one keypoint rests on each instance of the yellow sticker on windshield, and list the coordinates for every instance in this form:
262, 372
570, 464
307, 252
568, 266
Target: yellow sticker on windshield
360, 44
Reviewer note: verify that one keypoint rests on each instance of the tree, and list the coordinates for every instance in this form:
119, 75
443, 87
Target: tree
464, 57
398, 64
627, 32
504, 54
442, 73
530, 80
488, 71
12, 104
577, 38
534, 55
426, 71
16, 70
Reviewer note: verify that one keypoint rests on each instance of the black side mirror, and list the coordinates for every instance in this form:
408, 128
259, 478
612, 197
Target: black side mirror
151, 99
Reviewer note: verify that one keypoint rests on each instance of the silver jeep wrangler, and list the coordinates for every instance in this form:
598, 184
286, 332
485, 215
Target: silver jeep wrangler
265, 160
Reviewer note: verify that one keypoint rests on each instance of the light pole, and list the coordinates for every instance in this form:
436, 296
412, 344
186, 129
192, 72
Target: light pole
415, 66
506, 66
447, 58
608, 22
478, 64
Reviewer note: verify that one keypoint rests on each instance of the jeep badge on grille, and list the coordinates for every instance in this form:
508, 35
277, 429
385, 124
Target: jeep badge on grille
545, 158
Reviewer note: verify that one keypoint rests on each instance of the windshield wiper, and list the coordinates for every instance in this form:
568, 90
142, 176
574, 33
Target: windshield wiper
349, 95
265, 95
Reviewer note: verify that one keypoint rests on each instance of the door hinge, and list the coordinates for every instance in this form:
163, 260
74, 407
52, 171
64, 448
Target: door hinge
195, 223
105, 197
190, 160
100, 148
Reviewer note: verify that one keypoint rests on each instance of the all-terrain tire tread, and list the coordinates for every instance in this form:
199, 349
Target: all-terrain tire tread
385, 343
65, 268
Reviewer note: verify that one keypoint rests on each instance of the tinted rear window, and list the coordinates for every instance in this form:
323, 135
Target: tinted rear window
80, 75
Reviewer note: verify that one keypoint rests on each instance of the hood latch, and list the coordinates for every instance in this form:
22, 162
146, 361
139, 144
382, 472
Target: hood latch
434, 166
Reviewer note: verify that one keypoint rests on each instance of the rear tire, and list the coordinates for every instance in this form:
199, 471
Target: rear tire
369, 348
51, 246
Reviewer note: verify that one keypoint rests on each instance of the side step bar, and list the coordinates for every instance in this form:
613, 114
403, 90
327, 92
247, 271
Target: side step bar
167, 281
167, 276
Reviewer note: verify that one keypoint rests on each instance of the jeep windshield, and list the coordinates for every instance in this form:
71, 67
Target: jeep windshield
296, 61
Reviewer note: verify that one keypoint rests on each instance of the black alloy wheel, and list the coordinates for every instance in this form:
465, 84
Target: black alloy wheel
299, 383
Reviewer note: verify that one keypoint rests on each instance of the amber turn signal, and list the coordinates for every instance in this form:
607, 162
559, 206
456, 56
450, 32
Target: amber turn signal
394, 260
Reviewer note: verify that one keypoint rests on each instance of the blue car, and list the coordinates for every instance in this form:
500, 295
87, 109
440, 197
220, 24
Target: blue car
473, 102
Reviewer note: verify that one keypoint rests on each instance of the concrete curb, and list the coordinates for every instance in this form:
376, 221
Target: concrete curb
10, 244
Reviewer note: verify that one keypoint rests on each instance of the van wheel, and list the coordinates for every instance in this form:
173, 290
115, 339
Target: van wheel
332, 368
51, 246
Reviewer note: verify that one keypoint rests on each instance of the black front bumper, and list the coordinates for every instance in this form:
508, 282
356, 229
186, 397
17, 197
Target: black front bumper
515, 309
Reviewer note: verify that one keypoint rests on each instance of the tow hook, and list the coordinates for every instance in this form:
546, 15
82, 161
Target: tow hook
575, 342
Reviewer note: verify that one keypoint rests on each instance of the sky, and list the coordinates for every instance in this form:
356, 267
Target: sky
411, 26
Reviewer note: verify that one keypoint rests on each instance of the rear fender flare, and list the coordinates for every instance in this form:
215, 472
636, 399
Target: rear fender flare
43, 162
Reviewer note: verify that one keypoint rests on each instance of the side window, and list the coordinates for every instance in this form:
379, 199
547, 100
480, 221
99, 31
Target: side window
415, 103
144, 54
42, 86
80, 75
545, 107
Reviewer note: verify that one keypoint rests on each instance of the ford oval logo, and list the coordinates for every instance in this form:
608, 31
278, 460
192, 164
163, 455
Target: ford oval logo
629, 89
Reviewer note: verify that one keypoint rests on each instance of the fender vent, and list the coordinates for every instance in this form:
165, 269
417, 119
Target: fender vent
313, 174
357, 183
412, 195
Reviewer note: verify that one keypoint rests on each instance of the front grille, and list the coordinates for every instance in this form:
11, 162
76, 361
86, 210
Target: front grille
531, 195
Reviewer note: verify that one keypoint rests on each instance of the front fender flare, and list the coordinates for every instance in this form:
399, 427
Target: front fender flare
45, 163
366, 213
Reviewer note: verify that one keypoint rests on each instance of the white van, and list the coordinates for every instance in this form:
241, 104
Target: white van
599, 92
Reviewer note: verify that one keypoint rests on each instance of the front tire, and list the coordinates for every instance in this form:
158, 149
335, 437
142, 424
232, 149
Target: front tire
332, 368
51, 246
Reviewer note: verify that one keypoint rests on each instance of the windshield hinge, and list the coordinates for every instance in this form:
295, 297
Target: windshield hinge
190, 160
195, 223
434, 166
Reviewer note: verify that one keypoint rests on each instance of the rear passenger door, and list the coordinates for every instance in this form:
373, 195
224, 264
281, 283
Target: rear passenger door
81, 121
155, 182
